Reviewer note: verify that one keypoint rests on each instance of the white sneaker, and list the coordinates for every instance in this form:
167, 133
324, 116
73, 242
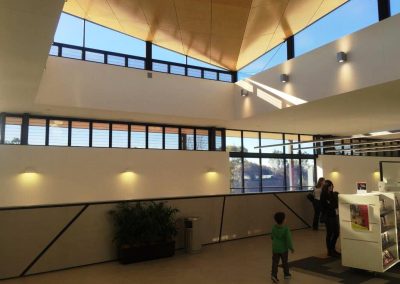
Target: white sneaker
274, 279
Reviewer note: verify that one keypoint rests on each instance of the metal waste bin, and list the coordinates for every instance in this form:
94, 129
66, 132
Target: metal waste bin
192, 235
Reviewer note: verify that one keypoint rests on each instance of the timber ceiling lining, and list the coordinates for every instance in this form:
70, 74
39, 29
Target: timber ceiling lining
226, 33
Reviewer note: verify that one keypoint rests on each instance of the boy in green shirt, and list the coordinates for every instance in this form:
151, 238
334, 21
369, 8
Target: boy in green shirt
281, 244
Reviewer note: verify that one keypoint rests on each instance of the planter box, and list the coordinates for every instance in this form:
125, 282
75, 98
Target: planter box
146, 252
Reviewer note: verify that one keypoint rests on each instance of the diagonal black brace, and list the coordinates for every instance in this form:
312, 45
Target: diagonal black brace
54, 240
294, 212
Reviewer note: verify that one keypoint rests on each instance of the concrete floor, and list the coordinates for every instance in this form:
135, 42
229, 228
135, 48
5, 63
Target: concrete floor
235, 262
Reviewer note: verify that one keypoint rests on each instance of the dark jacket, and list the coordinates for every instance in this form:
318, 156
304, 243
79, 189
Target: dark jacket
329, 203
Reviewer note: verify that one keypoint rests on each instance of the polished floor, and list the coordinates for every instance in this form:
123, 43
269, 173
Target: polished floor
235, 262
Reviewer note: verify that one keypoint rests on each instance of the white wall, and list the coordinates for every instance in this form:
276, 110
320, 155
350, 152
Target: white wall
372, 59
346, 171
80, 84
68, 175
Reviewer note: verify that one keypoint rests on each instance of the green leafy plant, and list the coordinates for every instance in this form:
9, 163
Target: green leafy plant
142, 223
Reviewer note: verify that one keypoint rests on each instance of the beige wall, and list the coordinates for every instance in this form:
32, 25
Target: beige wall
80, 84
346, 171
372, 59
88, 239
67, 174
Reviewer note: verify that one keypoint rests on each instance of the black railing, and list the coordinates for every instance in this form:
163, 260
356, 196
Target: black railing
137, 62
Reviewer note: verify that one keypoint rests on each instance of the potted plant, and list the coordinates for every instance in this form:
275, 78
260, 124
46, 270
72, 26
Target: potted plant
144, 231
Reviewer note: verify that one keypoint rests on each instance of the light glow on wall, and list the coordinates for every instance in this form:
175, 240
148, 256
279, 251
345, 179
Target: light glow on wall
29, 179
128, 177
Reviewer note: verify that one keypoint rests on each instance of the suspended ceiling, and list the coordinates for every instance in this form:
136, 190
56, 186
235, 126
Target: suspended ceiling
226, 33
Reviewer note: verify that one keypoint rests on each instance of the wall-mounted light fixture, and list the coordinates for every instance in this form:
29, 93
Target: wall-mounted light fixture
341, 57
244, 93
211, 170
284, 78
29, 170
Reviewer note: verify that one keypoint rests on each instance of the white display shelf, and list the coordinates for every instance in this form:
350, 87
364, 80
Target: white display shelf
374, 248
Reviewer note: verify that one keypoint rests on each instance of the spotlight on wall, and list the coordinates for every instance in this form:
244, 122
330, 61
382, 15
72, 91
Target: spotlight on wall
341, 57
244, 93
284, 78
29, 171
211, 171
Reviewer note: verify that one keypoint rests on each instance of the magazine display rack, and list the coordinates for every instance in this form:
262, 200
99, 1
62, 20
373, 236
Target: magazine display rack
368, 230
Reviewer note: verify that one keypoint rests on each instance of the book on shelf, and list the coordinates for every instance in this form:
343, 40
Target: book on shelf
386, 239
387, 257
383, 221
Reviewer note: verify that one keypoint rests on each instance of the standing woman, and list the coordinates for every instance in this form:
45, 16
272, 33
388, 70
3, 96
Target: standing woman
316, 202
329, 208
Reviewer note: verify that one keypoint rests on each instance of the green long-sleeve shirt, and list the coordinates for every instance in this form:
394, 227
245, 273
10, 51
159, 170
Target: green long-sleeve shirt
281, 239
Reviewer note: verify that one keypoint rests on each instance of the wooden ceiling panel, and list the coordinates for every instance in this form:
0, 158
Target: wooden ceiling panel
194, 15
160, 14
227, 33
326, 7
252, 49
227, 56
72, 7
128, 10
139, 29
229, 18
297, 15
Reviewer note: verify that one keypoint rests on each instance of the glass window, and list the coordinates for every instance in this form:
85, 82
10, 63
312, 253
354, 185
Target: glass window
194, 72
160, 67
172, 138
346, 147
236, 175
101, 135
218, 140
80, 133
307, 173
273, 174
164, 54
292, 174
274, 57
196, 62
138, 136
233, 141
202, 139
155, 137
58, 132
358, 14
12, 133
102, 38
394, 7
37, 131
187, 138
69, 30
252, 174
304, 146
94, 56
291, 138
250, 141
120, 135
268, 139
210, 75
71, 53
